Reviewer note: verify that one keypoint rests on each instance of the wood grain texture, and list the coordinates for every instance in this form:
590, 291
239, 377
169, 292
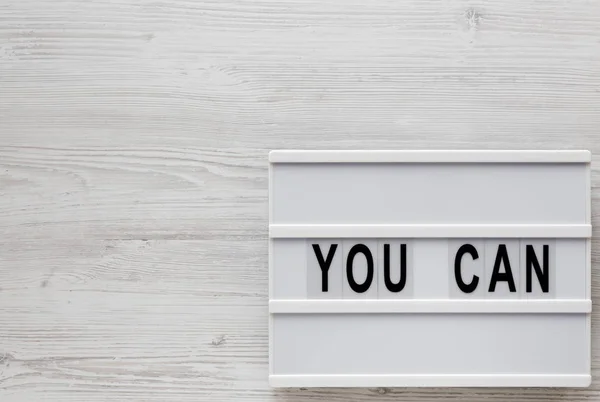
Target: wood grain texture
133, 167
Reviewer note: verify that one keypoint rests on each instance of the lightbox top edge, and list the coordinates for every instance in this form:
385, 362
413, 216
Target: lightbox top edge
430, 156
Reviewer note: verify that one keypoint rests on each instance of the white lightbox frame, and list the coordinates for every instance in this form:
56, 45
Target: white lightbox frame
299, 230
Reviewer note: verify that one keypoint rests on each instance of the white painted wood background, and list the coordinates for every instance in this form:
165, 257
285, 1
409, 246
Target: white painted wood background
133, 167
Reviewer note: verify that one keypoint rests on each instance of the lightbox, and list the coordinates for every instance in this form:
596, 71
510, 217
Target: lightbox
429, 268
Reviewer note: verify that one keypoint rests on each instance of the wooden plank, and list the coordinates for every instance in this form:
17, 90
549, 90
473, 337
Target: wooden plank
300, 74
133, 167
152, 313
132, 193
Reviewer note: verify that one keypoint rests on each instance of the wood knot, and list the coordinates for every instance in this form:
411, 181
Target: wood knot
219, 340
472, 18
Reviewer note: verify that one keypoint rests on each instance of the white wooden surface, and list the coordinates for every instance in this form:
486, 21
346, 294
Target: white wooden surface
133, 167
